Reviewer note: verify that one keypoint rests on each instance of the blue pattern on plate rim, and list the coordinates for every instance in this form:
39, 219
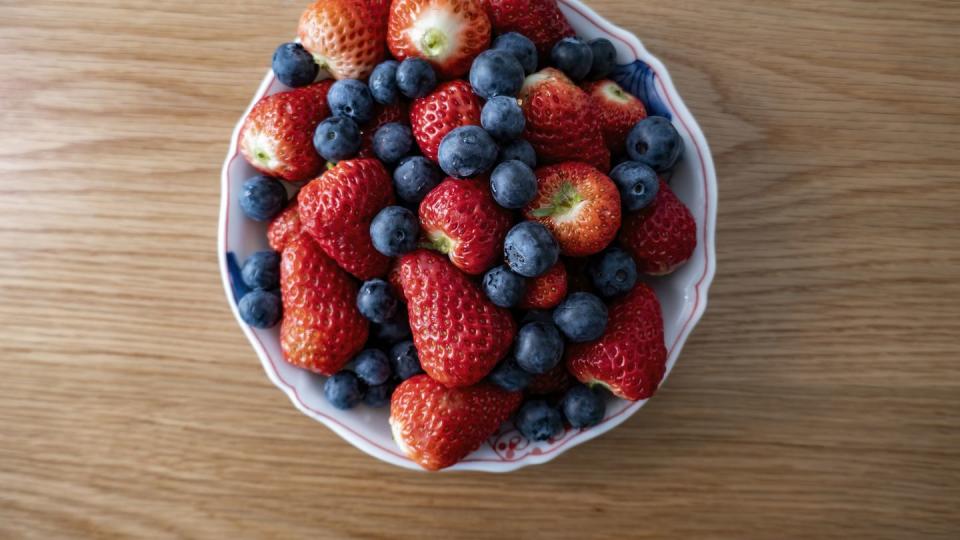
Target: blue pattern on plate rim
236, 278
640, 80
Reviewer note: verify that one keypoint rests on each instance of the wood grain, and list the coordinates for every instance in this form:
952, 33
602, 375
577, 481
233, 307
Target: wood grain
819, 397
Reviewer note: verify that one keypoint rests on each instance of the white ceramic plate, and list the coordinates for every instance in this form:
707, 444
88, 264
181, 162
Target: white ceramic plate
683, 294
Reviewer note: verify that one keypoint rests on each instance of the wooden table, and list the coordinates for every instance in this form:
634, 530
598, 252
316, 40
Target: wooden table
819, 397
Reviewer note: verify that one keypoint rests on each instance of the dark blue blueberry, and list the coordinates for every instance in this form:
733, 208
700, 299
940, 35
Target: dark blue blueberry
573, 57
372, 367
538, 421
509, 376
613, 272
504, 287
604, 59
519, 150
404, 360
520, 47
536, 315
414, 178
530, 249
583, 407
394, 330
416, 78
343, 390
513, 184
262, 198
378, 396
351, 99
655, 142
496, 73
638, 184
394, 231
337, 138
392, 142
538, 347
467, 151
581, 317
502, 118
383, 82
294, 66
376, 301
260, 309
262, 270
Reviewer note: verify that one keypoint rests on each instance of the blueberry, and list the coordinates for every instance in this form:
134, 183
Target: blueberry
416, 78
509, 376
519, 150
414, 178
394, 231
351, 99
655, 142
262, 270
538, 347
294, 66
383, 83
513, 184
530, 249
604, 58
343, 390
467, 151
536, 315
392, 142
581, 317
638, 184
394, 330
613, 272
372, 367
583, 407
378, 396
260, 309
496, 73
502, 118
503, 287
337, 138
404, 360
573, 57
262, 198
376, 301
520, 47
538, 421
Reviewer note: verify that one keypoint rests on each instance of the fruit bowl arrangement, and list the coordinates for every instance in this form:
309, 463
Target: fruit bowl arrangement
466, 234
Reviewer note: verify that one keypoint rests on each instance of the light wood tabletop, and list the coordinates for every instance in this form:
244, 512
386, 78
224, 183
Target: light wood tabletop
818, 398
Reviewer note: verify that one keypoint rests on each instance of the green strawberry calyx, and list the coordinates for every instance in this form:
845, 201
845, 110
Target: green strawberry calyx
438, 241
564, 203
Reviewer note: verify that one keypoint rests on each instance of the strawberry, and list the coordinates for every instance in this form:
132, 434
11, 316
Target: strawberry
539, 20
662, 236
619, 112
630, 358
438, 426
579, 205
447, 33
459, 334
322, 328
284, 228
277, 136
563, 124
341, 37
337, 208
555, 381
386, 114
547, 290
380, 10
451, 105
460, 218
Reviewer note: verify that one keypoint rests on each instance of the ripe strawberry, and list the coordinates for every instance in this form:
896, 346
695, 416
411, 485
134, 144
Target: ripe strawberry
630, 358
460, 218
380, 10
447, 33
284, 228
662, 236
579, 205
386, 114
277, 136
547, 290
619, 112
459, 334
539, 20
341, 37
563, 124
322, 328
450, 106
438, 426
555, 381
337, 208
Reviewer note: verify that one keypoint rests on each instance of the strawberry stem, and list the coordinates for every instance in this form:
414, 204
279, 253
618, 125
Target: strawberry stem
433, 42
563, 200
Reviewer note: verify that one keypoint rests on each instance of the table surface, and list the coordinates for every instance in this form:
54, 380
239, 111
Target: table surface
819, 397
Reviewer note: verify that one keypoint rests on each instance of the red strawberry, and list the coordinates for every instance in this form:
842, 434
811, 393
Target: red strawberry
386, 114
579, 205
619, 112
277, 136
284, 228
547, 290
322, 328
447, 33
344, 36
662, 236
337, 208
459, 334
438, 426
380, 9
630, 358
563, 124
539, 20
555, 381
461, 219
450, 106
